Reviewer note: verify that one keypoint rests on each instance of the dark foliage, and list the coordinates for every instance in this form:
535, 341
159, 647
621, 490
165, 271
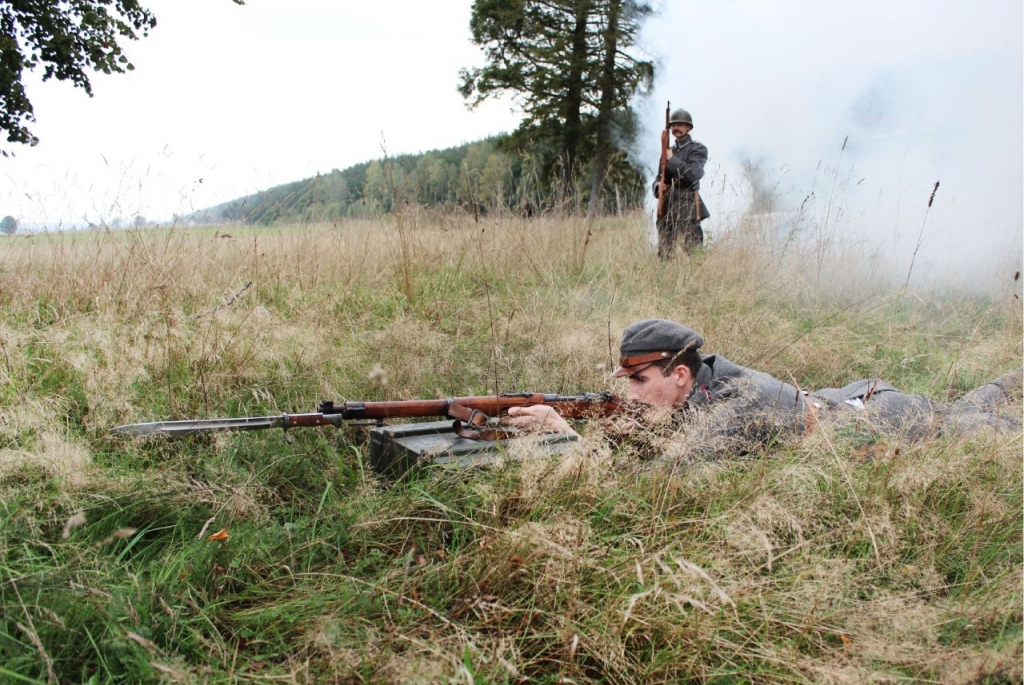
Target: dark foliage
67, 40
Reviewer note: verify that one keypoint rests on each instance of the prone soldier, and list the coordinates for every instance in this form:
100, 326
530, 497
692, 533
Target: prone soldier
713, 407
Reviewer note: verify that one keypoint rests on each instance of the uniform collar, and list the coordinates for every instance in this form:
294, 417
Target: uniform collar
683, 142
699, 395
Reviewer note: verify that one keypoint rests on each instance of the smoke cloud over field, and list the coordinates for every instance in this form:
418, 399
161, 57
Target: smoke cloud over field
919, 91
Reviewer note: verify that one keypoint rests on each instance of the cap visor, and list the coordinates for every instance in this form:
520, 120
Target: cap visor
630, 370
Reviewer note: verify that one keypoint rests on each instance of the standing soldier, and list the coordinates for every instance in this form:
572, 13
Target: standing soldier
683, 210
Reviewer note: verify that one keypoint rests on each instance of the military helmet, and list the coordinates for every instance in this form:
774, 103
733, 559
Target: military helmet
680, 116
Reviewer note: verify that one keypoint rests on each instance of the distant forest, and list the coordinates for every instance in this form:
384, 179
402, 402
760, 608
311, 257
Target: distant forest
481, 177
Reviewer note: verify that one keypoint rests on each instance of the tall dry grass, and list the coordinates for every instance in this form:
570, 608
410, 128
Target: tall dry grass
815, 562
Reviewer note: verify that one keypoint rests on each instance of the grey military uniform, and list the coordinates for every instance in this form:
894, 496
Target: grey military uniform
734, 410
685, 209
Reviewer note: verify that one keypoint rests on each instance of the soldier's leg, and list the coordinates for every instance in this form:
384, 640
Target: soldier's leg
667, 235
992, 395
991, 405
693, 238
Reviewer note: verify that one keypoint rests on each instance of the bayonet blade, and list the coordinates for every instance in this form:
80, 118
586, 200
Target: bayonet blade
180, 429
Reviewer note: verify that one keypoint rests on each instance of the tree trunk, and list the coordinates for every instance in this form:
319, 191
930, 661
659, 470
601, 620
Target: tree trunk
574, 95
604, 113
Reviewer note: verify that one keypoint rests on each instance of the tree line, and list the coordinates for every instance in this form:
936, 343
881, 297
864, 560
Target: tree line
479, 177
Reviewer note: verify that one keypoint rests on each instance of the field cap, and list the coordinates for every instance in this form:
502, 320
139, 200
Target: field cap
645, 342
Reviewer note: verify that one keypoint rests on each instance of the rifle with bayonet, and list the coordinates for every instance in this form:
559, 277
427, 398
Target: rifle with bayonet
476, 418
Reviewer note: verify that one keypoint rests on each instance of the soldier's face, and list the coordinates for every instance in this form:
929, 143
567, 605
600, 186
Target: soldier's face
680, 130
652, 387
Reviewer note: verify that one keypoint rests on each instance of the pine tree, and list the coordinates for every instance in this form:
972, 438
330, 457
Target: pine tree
572, 69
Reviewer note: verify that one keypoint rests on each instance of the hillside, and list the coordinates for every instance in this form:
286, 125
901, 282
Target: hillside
482, 176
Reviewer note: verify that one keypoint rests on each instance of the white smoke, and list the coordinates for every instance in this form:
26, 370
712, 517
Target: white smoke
919, 91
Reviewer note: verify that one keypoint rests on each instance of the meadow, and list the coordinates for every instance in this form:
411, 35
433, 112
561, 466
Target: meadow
239, 558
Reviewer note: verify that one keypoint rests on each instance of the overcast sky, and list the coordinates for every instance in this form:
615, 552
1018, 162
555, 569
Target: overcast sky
227, 100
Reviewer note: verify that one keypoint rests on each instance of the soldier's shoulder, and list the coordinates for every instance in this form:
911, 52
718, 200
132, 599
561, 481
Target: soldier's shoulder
722, 367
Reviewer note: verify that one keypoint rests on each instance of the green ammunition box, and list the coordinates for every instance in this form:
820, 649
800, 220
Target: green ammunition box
396, 449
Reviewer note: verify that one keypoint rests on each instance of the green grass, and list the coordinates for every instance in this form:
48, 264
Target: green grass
826, 559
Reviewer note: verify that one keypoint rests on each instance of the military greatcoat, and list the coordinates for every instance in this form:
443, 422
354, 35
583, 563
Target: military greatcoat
684, 208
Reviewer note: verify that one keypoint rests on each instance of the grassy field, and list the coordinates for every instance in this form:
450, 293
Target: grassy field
814, 562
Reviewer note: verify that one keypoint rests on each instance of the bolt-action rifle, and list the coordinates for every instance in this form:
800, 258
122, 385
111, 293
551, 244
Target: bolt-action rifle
477, 418
662, 184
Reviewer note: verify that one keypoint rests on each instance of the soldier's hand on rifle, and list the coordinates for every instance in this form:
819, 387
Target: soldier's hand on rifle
540, 418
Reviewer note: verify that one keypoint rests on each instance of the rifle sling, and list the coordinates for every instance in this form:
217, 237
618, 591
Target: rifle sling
473, 417
465, 417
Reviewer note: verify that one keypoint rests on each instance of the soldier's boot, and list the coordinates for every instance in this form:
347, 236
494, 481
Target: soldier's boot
980, 408
694, 239
666, 241
992, 395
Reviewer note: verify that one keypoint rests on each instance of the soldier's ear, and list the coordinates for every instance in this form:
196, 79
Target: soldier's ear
682, 374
